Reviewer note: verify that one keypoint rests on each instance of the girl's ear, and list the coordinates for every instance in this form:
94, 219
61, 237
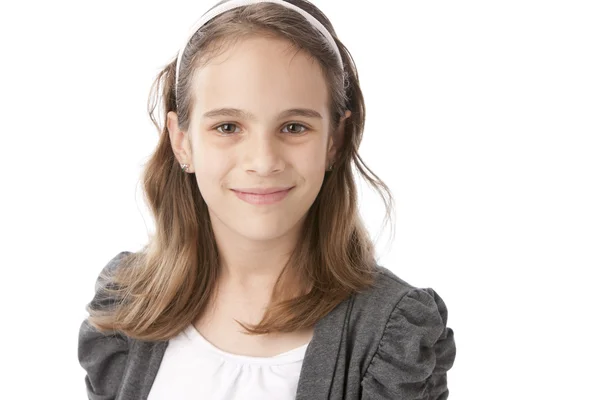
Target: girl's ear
337, 138
179, 142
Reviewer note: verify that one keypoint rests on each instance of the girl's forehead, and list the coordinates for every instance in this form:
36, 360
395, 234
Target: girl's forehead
261, 71
258, 54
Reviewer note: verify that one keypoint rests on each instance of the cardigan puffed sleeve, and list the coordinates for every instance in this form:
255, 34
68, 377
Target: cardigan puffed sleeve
102, 355
415, 352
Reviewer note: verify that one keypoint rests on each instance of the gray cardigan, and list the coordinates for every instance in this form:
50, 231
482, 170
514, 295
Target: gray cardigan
390, 342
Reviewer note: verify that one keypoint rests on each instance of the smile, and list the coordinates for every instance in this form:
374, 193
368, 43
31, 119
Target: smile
262, 199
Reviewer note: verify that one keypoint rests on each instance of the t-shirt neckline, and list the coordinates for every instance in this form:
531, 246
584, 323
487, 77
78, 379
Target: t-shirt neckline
287, 357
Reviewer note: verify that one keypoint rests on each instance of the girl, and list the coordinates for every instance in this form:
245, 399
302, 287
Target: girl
260, 281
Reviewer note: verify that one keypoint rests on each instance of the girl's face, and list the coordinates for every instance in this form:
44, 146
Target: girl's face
260, 121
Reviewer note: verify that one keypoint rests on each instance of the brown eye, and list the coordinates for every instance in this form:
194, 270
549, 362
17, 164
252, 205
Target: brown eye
296, 128
227, 128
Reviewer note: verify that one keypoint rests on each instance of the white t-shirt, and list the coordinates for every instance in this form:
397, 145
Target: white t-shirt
193, 368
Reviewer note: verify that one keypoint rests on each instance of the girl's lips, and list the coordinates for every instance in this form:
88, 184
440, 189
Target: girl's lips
270, 198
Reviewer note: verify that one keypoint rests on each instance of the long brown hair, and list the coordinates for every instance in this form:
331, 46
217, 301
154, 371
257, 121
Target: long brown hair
159, 290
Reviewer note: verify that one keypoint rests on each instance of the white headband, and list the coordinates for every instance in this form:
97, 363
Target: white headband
239, 3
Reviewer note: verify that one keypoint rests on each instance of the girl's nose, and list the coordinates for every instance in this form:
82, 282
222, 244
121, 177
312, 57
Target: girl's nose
263, 155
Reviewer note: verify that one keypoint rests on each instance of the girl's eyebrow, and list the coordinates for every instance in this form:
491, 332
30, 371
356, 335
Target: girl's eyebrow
241, 114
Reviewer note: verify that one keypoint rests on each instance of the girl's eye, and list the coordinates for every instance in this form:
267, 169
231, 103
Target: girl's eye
227, 128
297, 126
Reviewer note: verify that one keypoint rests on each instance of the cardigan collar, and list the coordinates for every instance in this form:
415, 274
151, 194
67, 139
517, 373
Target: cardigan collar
315, 383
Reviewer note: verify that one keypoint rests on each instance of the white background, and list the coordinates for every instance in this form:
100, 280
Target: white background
482, 117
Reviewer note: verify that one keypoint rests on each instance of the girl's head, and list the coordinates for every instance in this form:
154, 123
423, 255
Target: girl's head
260, 104
261, 101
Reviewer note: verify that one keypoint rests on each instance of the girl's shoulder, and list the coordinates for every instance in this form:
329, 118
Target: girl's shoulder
402, 331
102, 298
103, 355
390, 292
